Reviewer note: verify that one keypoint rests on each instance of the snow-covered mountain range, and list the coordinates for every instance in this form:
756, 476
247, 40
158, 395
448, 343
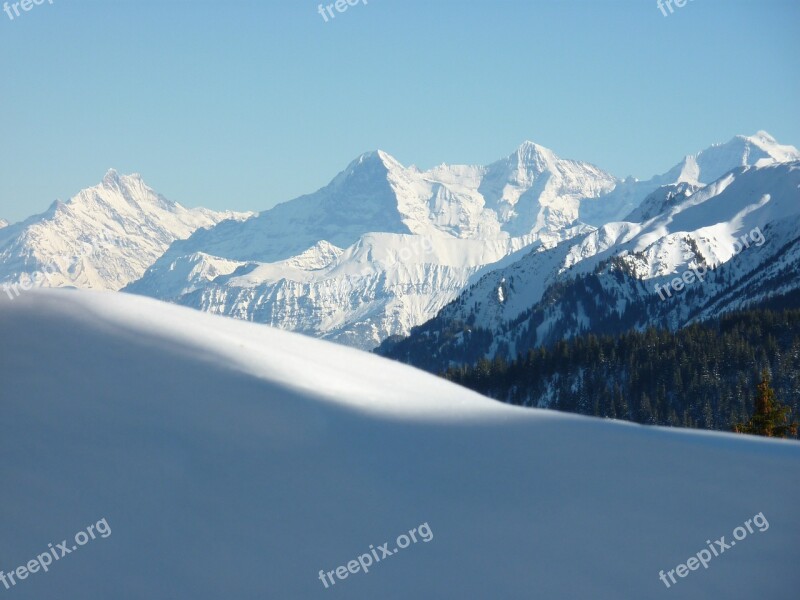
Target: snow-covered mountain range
232, 460
734, 242
102, 238
381, 249
384, 247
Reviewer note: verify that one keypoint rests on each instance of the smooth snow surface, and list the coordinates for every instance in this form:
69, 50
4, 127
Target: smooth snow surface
235, 461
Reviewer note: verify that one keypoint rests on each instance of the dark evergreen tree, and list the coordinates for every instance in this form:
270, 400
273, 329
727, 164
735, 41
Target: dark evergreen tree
771, 418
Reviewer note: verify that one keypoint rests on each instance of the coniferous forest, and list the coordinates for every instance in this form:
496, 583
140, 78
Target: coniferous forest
703, 376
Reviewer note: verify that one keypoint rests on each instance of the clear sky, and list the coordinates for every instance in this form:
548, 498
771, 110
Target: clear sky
241, 105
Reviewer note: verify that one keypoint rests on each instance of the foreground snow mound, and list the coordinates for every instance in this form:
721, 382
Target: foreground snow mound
231, 460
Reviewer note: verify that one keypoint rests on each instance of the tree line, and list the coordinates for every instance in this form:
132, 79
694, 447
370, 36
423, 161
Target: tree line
709, 375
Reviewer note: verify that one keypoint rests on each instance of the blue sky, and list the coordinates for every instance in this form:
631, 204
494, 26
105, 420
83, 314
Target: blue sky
245, 104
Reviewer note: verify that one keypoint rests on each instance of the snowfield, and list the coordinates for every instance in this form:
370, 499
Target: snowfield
233, 460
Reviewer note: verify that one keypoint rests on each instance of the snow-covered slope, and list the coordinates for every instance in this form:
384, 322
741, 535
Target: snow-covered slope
606, 281
232, 460
381, 286
102, 238
3, 223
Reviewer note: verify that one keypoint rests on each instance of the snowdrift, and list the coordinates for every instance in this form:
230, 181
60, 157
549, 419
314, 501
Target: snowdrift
232, 460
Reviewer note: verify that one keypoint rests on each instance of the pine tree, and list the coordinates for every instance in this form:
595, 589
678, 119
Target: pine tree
770, 418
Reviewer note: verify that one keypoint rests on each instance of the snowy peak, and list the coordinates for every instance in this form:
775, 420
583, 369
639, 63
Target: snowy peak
662, 200
319, 256
375, 163
111, 178
129, 189
533, 157
533, 191
371, 169
525, 163
104, 237
696, 170
712, 163
389, 161
3, 223
770, 146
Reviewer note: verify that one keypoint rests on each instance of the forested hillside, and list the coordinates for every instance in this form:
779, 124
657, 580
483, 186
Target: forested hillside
703, 376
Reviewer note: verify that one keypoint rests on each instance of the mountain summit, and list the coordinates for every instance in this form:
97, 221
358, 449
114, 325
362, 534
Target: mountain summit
102, 238
698, 169
712, 163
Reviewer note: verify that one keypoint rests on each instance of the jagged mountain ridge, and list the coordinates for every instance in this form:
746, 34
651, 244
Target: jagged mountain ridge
531, 196
605, 281
378, 251
103, 238
696, 170
398, 244
376, 194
